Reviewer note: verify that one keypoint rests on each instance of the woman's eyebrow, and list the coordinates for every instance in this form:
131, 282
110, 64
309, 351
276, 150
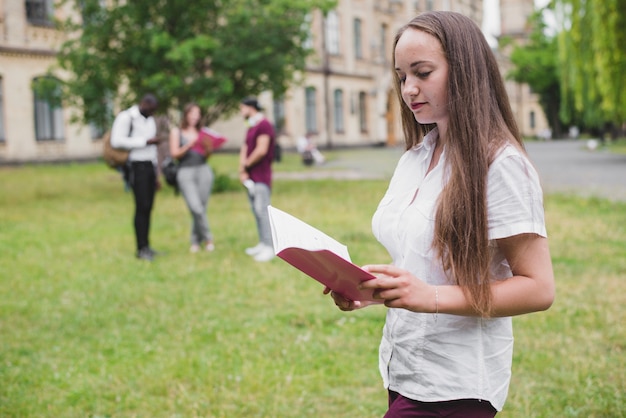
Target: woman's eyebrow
414, 64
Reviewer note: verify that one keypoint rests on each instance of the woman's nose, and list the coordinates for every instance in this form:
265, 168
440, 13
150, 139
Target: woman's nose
411, 87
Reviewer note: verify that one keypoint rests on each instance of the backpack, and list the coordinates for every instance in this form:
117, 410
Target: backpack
169, 168
115, 157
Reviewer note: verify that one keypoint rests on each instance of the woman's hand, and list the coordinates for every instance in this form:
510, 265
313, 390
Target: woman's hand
343, 303
398, 288
395, 287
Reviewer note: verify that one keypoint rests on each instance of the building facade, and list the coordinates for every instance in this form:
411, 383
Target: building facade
344, 98
347, 96
31, 128
526, 107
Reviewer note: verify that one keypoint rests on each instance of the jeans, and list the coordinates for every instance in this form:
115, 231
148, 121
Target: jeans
195, 184
259, 201
143, 183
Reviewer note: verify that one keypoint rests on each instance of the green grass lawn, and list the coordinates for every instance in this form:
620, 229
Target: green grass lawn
87, 330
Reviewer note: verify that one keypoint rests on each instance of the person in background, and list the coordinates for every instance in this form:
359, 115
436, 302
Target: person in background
195, 176
308, 150
463, 221
135, 129
163, 134
255, 171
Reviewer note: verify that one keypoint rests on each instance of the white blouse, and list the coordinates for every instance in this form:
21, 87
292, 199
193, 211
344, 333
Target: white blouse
455, 357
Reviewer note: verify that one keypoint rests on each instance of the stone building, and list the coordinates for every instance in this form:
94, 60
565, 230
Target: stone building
32, 129
528, 112
345, 97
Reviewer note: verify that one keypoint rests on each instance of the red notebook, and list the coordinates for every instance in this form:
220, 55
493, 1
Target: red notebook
216, 139
318, 255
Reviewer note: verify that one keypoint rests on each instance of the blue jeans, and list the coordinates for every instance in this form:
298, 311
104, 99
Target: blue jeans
259, 201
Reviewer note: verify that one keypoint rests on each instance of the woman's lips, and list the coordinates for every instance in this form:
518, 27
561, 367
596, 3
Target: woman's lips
417, 106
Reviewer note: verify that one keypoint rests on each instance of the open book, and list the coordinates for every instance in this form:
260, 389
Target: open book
216, 139
318, 255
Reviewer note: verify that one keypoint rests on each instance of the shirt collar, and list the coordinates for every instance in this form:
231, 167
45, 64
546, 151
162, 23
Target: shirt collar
430, 140
136, 113
255, 119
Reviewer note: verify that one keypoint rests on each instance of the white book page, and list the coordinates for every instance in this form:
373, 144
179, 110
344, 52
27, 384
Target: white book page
289, 231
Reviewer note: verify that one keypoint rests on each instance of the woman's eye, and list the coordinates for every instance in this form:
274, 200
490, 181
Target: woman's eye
402, 79
424, 74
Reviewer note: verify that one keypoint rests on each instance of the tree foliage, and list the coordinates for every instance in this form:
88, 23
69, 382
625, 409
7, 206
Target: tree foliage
592, 54
536, 64
212, 52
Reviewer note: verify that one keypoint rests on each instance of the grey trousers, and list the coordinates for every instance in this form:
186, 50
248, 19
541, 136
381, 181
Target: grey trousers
259, 200
195, 184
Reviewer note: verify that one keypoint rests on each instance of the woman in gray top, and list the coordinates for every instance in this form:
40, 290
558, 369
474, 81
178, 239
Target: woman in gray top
195, 176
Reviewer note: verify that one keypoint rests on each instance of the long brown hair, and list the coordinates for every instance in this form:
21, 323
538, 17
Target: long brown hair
183, 122
480, 123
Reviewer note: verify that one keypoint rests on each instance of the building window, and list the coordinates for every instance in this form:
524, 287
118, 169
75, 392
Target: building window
2, 135
338, 110
532, 119
332, 33
48, 115
279, 114
308, 42
383, 42
358, 49
39, 12
311, 110
95, 132
363, 111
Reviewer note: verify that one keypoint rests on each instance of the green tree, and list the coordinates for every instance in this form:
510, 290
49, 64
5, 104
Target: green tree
536, 64
211, 52
592, 53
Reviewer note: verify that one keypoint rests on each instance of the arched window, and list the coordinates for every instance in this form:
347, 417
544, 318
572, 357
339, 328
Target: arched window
48, 110
338, 110
311, 110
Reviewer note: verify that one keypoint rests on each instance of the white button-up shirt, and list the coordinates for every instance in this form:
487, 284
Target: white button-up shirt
455, 357
142, 130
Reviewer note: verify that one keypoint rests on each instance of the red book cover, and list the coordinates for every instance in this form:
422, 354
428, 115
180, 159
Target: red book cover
216, 139
318, 255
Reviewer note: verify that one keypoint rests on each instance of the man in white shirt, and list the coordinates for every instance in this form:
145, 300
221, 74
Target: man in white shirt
135, 129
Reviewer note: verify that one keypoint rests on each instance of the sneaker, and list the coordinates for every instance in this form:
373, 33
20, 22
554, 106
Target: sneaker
194, 248
254, 250
154, 252
210, 247
266, 254
145, 254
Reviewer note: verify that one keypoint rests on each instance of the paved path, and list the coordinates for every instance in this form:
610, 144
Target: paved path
568, 166
564, 166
